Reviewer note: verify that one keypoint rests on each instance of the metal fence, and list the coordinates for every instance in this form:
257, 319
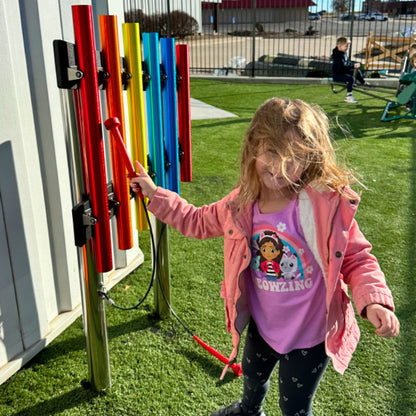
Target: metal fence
280, 37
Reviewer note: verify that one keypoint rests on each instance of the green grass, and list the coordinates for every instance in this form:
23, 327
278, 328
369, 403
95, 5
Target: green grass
157, 368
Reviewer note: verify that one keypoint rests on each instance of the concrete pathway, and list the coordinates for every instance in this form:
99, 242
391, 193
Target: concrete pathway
201, 111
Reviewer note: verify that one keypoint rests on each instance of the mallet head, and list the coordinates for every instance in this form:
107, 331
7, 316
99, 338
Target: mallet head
111, 122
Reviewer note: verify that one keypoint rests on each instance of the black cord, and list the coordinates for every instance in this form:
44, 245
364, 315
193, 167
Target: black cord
161, 286
155, 258
152, 239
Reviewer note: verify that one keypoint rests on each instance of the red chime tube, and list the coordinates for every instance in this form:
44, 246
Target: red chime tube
184, 113
91, 136
115, 108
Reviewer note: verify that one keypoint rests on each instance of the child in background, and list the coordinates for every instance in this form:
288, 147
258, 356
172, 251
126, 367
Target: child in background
343, 70
412, 66
298, 313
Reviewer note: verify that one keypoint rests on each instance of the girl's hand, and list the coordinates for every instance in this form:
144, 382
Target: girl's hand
142, 182
386, 322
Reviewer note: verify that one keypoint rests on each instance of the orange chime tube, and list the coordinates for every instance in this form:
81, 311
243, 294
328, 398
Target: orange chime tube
115, 108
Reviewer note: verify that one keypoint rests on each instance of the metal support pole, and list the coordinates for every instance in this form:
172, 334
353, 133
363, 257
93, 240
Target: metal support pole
215, 18
92, 305
95, 325
162, 284
253, 57
351, 27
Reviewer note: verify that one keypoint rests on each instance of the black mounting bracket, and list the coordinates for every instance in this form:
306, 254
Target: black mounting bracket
163, 75
83, 219
83, 222
113, 204
150, 169
102, 74
68, 75
146, 77
125, 76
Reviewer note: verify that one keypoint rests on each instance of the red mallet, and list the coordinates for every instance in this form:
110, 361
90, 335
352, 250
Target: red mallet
235, 367
113, 125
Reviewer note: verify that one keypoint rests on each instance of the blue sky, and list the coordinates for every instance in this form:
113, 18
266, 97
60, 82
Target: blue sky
327, 5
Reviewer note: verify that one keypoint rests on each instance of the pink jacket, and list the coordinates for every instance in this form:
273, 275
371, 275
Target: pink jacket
341, 250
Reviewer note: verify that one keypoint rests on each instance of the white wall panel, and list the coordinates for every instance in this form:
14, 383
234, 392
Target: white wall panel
27, 236
39, 268
10, 337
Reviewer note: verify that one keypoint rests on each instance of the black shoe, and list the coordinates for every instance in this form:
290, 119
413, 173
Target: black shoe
234, 409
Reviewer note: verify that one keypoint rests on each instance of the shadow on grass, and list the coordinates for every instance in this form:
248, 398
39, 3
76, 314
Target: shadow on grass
405, 403
77, 343
207, 364
147, 320
365, 117
59, 404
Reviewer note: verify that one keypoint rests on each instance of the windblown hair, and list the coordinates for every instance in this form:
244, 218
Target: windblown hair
297, 131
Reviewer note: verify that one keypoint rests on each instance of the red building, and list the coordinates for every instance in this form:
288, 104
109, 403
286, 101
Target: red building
267, 11
392, 8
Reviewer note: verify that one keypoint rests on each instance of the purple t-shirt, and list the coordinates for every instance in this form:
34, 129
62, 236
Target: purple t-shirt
286, 289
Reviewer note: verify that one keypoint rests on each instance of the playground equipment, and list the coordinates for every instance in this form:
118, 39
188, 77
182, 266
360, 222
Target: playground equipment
390, 47
372, 91
76, 68
165, 152
83, 70
405, 92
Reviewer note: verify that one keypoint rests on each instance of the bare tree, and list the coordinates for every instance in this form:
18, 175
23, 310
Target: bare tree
341, 6
180, 23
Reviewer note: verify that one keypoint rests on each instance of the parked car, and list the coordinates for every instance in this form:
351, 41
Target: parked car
314, 16
357, 16
376, 16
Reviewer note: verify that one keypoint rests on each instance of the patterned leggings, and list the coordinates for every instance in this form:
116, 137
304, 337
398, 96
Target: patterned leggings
300, 372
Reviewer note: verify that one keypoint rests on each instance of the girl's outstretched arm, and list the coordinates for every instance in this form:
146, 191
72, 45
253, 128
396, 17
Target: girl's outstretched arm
170, 208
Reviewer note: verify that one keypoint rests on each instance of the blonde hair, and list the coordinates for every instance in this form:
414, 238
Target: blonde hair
294, 130
342, 40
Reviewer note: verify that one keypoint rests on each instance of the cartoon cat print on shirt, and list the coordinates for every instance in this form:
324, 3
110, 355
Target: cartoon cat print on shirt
288, 266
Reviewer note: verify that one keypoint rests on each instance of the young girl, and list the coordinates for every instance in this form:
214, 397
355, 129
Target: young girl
290, 186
